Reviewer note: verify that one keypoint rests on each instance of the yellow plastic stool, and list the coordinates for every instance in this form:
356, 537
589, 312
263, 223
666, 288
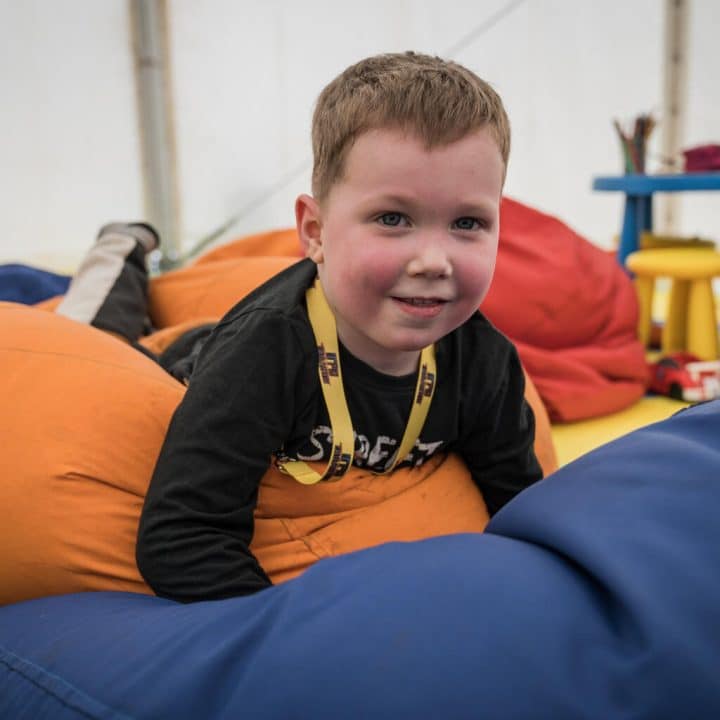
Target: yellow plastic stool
691, 323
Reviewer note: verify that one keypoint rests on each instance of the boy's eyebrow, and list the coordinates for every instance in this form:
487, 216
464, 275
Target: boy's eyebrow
477, 208
463, 207
391, 199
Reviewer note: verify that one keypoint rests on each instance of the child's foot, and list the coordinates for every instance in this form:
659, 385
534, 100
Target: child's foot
143, 232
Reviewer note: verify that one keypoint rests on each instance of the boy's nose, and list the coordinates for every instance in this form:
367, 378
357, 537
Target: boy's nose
430, 260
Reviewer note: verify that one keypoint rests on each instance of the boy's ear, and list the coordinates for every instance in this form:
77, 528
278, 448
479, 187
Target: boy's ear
309, 227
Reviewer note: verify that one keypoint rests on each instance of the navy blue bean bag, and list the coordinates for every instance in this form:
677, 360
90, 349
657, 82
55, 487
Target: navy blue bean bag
595, 594
29, 285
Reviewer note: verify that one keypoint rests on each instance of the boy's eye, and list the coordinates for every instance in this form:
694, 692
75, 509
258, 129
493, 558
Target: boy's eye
467, 223
392, 219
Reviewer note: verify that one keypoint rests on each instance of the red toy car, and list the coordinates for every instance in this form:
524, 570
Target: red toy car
684, 376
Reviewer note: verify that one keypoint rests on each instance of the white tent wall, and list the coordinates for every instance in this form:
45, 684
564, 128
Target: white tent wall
245, 89
244, 77
699, 213
69, 151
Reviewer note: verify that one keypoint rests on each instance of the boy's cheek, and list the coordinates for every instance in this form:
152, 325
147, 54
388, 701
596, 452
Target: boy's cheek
372, 267
362, 284
477, 278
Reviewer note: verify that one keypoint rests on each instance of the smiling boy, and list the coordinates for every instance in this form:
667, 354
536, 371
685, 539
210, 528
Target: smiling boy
406, 242
371, 352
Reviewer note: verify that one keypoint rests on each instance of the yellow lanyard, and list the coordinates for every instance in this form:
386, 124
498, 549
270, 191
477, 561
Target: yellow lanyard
343, 437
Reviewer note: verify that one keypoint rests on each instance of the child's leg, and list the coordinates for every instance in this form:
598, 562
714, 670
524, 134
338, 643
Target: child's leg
109, 290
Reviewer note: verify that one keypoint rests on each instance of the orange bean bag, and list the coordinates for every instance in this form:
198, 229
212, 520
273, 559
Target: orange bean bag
83, 419
272, 243
208, 289
296, 525
85, 416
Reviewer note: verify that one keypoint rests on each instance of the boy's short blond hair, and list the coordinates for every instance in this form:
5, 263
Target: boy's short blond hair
437, 100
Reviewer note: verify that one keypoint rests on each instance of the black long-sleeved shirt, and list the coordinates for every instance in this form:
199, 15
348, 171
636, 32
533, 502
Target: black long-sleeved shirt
255, 393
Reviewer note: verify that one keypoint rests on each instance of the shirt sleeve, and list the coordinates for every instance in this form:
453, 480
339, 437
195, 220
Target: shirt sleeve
499, 449
197, 522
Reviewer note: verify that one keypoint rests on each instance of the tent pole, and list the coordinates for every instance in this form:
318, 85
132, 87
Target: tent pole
674, 101
155, 115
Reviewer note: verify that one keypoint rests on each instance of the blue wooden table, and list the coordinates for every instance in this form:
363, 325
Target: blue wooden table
639, 190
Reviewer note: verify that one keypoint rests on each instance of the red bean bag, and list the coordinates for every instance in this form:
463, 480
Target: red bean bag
572, 312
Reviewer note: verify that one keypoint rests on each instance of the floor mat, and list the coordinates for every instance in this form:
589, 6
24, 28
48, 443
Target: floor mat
574, 439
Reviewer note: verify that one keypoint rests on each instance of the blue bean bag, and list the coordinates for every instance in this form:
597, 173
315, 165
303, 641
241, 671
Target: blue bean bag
29, 285
594, 594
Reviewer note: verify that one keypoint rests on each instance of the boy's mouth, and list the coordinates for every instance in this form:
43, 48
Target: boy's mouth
420, 301
421, 307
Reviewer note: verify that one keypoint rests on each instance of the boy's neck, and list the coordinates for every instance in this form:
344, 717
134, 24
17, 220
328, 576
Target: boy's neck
350, 361
395, 364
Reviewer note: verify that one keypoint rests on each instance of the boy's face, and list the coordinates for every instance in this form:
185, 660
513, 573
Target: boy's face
405, 242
